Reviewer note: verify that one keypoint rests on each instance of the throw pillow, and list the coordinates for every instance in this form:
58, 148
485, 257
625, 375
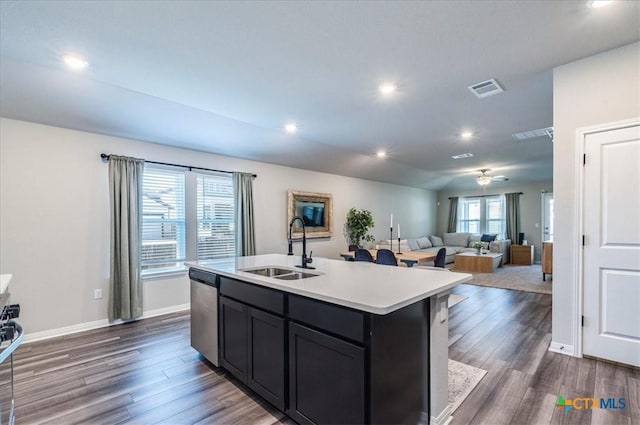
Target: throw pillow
413, 244
489, 238
475, 237
424, 243
436, 241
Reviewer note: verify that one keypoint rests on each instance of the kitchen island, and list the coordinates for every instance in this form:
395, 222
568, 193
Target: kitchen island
346, 342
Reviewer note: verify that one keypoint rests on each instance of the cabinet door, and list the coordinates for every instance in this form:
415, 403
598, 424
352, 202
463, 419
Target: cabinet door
266, 356
326, 378
234, 344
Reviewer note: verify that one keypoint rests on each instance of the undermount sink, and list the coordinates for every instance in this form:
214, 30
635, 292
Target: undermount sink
295, 276
278, 273
269, 271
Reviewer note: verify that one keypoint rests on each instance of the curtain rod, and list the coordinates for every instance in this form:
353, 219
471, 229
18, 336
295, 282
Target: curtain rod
105, 157
482, 196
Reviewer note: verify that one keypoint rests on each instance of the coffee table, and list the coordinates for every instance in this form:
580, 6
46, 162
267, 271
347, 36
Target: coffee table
472, 262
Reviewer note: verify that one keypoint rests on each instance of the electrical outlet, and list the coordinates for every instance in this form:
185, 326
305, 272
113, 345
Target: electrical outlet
97, 294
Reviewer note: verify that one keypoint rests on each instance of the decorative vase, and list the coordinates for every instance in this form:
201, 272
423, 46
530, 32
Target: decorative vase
479, 251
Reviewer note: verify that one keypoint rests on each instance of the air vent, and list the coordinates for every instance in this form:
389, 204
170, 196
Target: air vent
462, 155
534, 134
486, 88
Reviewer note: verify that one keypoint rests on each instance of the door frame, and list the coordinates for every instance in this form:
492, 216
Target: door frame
580, 140
543, 214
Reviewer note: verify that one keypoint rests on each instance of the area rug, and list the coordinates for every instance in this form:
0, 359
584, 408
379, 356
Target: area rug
462, 380
455, 299
520, 278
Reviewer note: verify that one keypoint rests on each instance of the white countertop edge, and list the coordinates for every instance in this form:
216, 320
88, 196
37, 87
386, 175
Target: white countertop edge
283, 286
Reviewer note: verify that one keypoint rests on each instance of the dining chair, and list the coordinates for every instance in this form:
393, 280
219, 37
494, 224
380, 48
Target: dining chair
440, 258
363, 255
386, 257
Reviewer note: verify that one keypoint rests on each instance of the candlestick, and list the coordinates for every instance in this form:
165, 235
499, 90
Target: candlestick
399, 253
391, 238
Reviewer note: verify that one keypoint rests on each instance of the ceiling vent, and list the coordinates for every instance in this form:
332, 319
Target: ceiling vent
534, 134
486, 88
462, 155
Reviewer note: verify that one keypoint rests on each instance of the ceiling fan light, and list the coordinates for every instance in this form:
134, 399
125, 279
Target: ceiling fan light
484, 180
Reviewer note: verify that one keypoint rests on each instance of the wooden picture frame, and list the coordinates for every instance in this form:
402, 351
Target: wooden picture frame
316, 209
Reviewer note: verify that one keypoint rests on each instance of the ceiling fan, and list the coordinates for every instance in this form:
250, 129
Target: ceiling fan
485, 179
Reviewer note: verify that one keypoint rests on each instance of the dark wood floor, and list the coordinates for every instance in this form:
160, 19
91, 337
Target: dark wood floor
507, 333
146, 373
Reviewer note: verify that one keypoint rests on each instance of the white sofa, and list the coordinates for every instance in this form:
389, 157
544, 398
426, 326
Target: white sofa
454, 243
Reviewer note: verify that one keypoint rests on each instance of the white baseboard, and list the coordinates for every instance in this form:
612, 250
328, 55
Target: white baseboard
67, 330
444, 418
557, 347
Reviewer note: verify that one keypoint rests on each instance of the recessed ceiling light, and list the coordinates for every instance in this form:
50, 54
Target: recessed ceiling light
466, 135
462, 155
387, 88
75, 62
291, 128
381, 154
595, 4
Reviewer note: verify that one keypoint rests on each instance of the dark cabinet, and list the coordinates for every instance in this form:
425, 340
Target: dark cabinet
322, 363
252, 343
326, 378
234, 338
266, 374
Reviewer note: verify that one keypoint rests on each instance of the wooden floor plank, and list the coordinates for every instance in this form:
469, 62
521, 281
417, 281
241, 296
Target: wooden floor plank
146, 372
536, 407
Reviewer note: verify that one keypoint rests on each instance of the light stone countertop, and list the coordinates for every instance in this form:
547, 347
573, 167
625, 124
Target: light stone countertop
362, 286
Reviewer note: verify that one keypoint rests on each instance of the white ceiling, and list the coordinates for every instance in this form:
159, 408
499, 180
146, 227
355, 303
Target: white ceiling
224, 77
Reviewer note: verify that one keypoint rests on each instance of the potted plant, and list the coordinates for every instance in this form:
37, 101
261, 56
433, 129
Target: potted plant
478, 246
358, 224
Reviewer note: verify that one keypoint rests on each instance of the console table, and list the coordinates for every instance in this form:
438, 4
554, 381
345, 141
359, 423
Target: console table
547, 259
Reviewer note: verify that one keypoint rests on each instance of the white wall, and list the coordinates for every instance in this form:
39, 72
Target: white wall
54, 217
530, 208
599, 89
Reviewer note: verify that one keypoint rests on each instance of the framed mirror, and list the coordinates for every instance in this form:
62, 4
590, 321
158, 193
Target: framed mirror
316, 209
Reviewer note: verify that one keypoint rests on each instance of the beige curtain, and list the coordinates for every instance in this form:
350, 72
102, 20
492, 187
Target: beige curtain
125, 282
243, 212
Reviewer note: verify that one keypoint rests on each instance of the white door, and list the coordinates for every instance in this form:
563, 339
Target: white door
611, 262
547, 216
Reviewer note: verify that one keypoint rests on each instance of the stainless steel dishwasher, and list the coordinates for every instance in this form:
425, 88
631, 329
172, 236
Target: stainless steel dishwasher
204, 314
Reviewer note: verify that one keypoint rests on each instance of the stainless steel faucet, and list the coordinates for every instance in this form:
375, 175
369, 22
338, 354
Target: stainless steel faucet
305, 260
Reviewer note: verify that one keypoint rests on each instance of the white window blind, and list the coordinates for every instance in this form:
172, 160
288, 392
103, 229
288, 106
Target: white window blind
215, 217
495, 213
163, 219
469, 216
482, 215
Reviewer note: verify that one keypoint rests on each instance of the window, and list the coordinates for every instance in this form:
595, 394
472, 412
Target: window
185, 215
469, 219
216, 235
495, 215
482, 215
163, 219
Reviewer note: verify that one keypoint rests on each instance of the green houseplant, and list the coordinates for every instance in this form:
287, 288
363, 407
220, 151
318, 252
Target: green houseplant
358, 224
